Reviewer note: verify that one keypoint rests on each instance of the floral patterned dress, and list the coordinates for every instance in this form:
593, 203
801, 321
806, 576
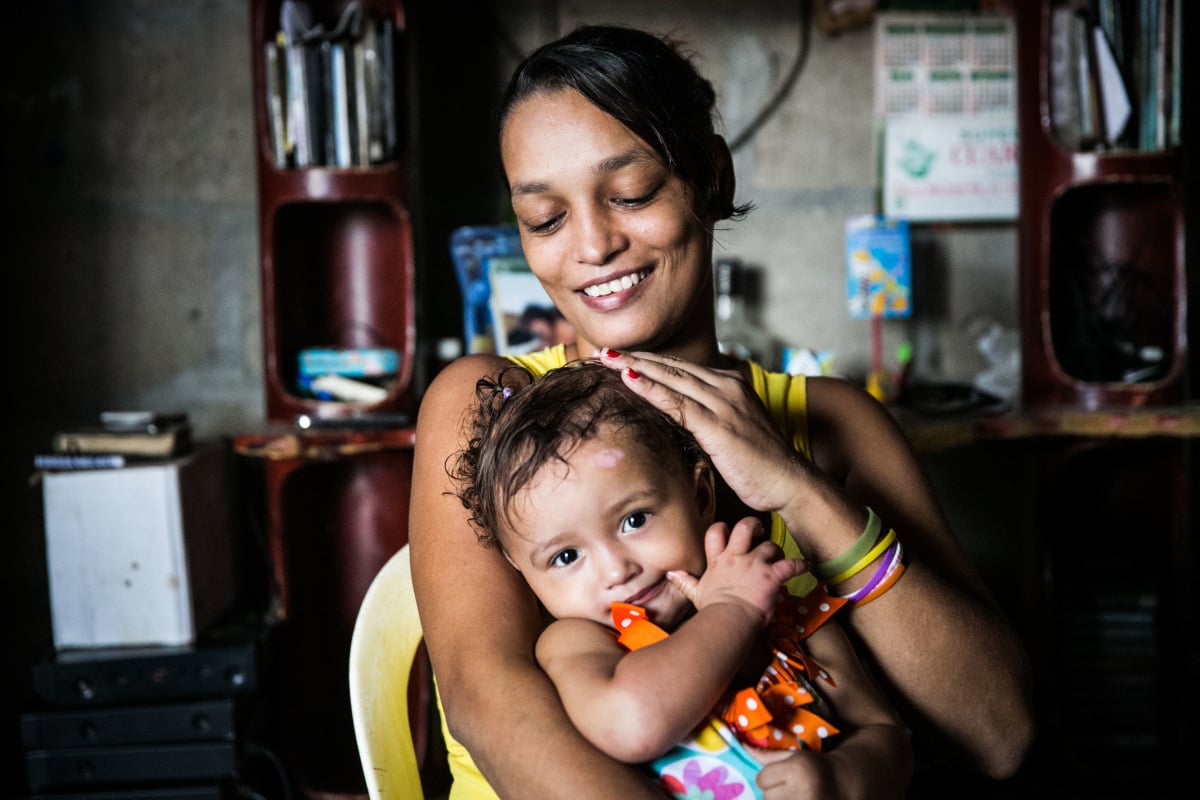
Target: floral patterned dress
781, 711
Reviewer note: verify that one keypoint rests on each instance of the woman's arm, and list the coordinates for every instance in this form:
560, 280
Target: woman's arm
937, 638
636, 705
480, 624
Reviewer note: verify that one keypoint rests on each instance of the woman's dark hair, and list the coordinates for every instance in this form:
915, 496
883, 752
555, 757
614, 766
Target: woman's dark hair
648, 85
520, 425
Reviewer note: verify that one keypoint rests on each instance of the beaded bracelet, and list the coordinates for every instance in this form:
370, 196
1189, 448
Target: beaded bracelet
866, 560
854, 553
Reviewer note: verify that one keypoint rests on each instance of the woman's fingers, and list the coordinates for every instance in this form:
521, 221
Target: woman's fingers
727, 418
672, 384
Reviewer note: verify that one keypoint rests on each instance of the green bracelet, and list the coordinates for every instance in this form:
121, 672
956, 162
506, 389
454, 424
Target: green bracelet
854, 553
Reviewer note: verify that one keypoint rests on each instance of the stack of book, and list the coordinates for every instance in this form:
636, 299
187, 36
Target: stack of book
120, 439
330, 95
1115, 74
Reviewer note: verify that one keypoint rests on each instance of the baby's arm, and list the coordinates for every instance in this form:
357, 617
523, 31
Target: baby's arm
636, 705
874, 757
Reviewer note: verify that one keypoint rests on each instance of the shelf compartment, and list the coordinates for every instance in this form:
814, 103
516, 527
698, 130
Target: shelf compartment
336, 276
1115, 292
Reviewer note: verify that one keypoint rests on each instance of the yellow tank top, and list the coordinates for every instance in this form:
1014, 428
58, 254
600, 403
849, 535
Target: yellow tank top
786, 399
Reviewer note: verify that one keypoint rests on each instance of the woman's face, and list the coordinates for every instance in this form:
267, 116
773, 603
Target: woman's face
606, 227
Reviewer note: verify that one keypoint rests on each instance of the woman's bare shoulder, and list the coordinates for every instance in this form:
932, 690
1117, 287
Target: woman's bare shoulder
450, 391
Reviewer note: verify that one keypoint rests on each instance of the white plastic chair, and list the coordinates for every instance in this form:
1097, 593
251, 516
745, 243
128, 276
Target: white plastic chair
383, 648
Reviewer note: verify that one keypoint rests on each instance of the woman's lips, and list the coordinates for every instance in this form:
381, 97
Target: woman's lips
613, 293
615, 285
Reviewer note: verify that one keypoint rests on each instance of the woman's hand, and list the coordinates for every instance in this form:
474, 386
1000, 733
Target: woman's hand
738, 571
727, 419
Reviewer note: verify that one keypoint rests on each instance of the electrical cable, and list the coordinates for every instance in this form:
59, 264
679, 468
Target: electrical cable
785, 87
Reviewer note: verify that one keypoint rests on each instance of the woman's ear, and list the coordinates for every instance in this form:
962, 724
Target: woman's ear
706, 493
721, 205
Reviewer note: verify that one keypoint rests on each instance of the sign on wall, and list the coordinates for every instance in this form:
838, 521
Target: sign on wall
945, 97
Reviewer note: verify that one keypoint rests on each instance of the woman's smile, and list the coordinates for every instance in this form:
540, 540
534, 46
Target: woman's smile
609, 286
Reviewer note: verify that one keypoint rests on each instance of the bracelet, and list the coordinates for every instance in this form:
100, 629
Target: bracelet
874, 553
854, 553
885, 566
886, 583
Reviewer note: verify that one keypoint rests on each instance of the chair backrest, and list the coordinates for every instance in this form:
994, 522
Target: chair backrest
383, 647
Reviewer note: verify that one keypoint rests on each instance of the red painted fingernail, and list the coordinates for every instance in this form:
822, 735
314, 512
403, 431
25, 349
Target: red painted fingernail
610, 353
632, 375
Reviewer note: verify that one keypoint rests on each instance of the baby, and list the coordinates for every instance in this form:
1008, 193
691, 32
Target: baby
673, 642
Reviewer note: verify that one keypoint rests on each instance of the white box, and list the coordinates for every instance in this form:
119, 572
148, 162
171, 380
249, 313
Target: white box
139, 555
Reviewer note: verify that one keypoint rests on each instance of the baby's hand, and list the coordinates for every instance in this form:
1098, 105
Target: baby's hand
792, 773
737, 572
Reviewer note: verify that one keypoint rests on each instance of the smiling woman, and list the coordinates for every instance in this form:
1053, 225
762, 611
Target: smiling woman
618, 179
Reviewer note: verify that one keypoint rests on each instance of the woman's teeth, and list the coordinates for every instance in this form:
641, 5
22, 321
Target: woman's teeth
616, 285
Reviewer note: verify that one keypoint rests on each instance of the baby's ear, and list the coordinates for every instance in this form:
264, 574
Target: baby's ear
510, 560
706, 493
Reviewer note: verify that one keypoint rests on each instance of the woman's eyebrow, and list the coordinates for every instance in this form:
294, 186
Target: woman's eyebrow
634, 155
532, 187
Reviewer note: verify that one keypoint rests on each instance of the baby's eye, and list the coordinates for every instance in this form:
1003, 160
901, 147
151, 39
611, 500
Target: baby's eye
565, 559
634, 521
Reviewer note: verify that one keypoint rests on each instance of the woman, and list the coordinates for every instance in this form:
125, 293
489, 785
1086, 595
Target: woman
617, 180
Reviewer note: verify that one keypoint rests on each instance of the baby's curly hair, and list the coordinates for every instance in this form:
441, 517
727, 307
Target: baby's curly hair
520, 424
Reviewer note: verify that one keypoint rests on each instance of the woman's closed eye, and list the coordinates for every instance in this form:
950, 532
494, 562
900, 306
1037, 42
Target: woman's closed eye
634, 521
546, 226
637, 202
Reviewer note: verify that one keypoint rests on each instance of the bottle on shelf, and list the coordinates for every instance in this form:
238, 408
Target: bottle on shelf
739, 332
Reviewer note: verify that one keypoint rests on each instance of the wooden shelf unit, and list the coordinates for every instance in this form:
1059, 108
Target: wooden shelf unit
1102, 252
336, 248
337, 270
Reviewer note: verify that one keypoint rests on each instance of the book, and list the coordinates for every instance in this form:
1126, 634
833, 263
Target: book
297, 111
387, 89
149, 421
362, 130
59, 462
371, 95
168, 440
276, 121
339, 107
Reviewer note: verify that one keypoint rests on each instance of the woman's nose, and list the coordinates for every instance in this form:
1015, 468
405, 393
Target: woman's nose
597, 237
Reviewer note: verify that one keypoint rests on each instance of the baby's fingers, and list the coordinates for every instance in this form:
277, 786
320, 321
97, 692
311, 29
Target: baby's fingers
687, 585
787, 568
744, 533
715, 540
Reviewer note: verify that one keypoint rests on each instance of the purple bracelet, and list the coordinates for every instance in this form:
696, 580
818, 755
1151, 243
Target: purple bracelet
888, 562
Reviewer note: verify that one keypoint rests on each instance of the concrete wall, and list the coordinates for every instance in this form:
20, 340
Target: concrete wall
130, 221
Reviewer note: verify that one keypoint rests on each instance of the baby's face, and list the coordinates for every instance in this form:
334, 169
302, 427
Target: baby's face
607, 526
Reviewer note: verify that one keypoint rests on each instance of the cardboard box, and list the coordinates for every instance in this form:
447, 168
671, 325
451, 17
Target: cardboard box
142, 554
